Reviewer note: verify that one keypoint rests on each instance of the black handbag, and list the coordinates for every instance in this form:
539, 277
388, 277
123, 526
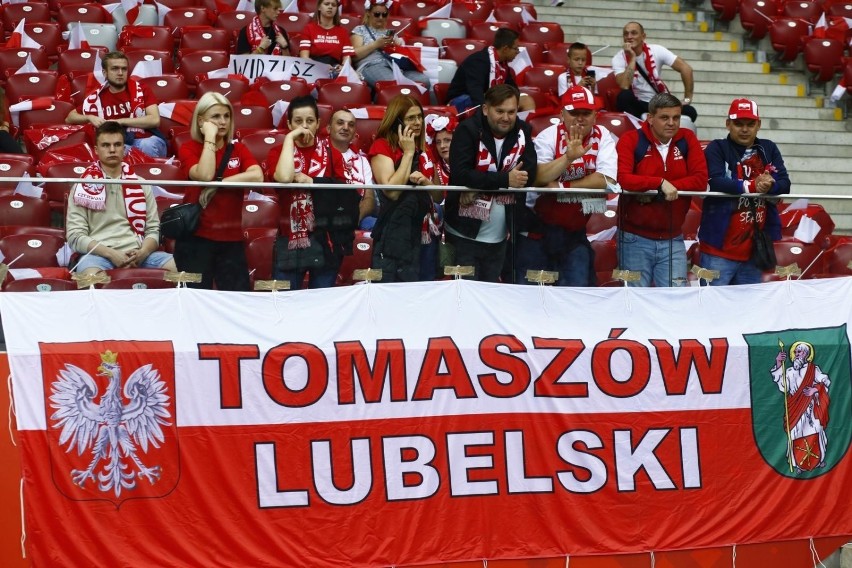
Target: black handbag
762, 248
336, 211
181, 221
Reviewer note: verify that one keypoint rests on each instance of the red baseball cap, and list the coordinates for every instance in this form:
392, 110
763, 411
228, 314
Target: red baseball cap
743, 109
579, 98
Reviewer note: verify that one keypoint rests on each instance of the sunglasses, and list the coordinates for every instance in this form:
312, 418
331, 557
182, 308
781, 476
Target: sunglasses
380, 14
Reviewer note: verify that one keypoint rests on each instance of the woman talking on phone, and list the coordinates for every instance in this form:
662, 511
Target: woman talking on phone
399, 156
374, 43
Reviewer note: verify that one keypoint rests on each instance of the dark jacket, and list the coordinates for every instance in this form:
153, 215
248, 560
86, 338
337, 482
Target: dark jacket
471, 78
723, 155
463, 160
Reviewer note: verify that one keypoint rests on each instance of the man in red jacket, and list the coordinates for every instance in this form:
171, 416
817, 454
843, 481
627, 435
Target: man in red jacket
654, 163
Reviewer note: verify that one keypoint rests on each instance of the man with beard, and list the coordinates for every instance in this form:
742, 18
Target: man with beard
741, 164
125, 101
492, 152
806, 388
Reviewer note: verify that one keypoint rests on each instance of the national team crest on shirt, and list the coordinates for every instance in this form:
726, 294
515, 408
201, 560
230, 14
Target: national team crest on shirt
110, 408
800, 378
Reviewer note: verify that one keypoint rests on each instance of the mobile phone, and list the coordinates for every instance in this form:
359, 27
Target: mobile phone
390, 33
399, 123
590, 73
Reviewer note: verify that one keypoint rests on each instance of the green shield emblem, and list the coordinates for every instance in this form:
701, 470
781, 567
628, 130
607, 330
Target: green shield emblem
807, 432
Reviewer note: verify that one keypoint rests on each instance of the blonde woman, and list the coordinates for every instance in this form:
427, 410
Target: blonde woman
216, 248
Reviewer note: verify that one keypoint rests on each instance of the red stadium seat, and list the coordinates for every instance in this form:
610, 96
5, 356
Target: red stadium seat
196, 39
415, 10
847, 76
484, 30
405, 26
842, 9
284, 90
174, 4
726, 10
787, 36
177, 20
823, 58
385, 93
543, 32
28, 86
85, 13
233, 89
57, 192
542, 122
137, 283
557, 53
839, 259
137, 55
247, 117
54, 114
21, 210
599, 222
459, 49
756, 15
349, 22
468, 12
608, 90
233, 22
535, 51
48, 34
195, 65
542, 99
146, 37
261, 143
293, 23
259, 257
361, 258
440, 90
365, 132
31, 251
344, 95
606, 259
167, 88
75, 61
545, 77
13, 58
156, 172
40, 285
422, 41
12, 167
808, 257
809, 10
260, 213
513, 14
58, 232
616, 122
12, 14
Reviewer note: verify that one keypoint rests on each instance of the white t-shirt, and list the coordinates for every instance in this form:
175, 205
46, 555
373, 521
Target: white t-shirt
641, 88
603, 158
358, 170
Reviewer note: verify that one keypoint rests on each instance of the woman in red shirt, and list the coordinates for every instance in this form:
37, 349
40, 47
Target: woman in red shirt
216, 248
324, 39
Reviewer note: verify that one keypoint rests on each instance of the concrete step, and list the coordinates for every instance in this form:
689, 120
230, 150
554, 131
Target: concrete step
823, 150
820, 164
739, 89
720, 109
711, 129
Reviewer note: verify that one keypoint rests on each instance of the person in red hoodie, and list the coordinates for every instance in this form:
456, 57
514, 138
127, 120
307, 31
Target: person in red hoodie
654, 163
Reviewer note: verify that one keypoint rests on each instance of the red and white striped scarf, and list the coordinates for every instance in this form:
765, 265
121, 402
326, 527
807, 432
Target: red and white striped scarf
92, 104
481, 206
92, 195
497, 72
578, 169
255, 33
298, 203
651, 69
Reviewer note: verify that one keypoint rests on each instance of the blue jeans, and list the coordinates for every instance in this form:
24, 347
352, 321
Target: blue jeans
382, 71
154, 146
731, 271
572, 259
662, 262
154, 260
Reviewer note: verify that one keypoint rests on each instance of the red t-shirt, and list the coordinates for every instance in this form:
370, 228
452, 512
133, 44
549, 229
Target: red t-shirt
322, 42
119, 105
381, 147
221, 220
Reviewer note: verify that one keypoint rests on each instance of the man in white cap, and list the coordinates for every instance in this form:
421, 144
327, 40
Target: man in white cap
741, 164
573, 154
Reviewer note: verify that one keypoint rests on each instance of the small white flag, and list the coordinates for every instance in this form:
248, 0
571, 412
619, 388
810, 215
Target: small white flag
403, 80
26, 188
807, 230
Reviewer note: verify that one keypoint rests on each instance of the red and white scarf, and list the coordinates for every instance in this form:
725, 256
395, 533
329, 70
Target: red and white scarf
481, 206
298, 203
650, 67
92, 195
578, 169
92, 104
497, 71
255, 33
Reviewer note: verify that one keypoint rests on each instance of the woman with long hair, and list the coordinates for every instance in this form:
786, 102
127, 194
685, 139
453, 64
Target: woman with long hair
324, 39
399, 156
374, 42
216, 248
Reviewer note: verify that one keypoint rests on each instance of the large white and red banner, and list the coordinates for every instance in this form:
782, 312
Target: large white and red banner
396, 424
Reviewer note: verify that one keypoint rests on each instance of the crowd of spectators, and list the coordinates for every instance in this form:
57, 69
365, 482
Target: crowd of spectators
500, 226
